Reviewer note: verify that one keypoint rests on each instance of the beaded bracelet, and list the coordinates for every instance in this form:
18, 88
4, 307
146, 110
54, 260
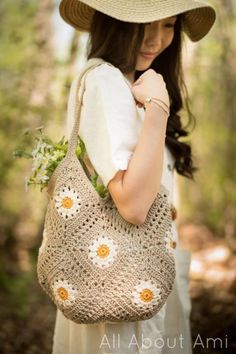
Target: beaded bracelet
159, 102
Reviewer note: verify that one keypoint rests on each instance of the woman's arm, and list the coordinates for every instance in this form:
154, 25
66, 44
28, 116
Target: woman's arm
135, 189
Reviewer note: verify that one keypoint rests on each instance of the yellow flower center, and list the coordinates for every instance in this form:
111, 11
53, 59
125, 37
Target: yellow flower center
103, 251
146, 295
67, 203
63, 293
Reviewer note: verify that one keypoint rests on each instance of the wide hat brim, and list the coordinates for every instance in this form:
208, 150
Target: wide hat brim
197, 19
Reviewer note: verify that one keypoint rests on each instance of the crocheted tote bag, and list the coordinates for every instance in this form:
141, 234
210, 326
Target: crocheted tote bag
95, 265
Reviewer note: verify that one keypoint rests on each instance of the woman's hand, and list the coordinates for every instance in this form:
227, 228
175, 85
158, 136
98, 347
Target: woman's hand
150, 84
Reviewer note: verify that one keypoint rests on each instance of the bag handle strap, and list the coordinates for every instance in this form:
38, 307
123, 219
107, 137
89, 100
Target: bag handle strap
74, 106
75, 102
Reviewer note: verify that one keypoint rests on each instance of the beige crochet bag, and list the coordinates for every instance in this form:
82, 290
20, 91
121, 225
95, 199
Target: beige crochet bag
96, 266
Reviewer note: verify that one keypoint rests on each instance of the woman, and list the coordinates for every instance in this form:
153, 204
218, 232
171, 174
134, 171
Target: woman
130, 125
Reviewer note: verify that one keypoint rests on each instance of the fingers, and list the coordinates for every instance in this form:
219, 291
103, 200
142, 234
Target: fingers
138, 82
139, 104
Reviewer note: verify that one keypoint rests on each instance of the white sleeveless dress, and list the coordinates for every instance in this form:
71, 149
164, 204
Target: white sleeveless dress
110, 124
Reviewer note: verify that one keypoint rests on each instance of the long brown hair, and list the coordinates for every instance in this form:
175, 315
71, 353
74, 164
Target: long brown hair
119, 43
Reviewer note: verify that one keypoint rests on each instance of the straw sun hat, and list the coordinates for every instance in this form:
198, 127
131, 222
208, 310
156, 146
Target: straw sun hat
197, 19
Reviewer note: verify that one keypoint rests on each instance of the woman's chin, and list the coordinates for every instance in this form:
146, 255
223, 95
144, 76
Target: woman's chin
143, 65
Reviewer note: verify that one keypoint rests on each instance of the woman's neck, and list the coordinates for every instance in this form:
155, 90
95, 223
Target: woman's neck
130, 77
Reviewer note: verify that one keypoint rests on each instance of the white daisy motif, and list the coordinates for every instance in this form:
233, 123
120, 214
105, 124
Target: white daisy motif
102, 251
43, 244
145, 294
67, 202
170, 244
64, 293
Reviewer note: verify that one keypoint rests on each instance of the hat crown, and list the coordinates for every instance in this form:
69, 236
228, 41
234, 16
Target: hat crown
198, 17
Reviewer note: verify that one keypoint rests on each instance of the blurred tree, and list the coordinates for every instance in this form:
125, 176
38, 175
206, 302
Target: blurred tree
26, 62
212, 200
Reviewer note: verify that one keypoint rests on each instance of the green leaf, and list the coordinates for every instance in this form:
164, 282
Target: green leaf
21, 154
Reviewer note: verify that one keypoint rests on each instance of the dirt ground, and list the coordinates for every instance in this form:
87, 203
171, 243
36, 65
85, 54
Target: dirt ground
212, 290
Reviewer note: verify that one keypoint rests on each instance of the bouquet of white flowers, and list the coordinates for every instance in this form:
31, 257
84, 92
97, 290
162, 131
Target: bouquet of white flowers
46, 156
